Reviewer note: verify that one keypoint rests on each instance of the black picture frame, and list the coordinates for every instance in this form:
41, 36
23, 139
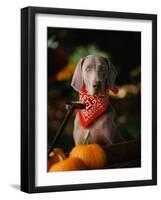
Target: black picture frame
28, 98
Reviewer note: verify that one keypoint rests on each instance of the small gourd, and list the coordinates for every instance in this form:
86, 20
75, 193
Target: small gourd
69, 164
55, 156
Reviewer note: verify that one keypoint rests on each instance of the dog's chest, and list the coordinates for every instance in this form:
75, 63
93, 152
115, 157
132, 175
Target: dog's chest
100, 129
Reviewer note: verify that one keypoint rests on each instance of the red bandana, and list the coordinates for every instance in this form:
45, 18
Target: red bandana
95, 106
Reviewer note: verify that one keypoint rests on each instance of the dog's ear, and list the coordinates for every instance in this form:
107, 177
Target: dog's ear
112, 73
77, 80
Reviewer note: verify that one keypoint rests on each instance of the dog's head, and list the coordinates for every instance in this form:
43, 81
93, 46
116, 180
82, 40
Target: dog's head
96, 73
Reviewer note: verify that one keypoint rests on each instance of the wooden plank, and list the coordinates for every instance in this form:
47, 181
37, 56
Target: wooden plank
122, 152
126, 164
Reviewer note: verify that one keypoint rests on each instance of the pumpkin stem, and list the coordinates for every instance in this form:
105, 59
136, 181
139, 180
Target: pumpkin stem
86, 137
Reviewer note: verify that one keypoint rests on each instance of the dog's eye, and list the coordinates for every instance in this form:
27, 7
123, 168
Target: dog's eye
88, 69
101, 68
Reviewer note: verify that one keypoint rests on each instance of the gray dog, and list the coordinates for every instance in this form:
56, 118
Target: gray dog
94, 76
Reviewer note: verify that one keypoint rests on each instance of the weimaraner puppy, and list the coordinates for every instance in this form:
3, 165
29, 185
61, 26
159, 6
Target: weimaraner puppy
94, 76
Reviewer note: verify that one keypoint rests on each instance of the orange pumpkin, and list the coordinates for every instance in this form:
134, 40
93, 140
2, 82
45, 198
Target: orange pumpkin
92, 155
55, 156
69, 164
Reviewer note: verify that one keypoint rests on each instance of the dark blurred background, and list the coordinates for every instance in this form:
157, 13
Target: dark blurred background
65, 48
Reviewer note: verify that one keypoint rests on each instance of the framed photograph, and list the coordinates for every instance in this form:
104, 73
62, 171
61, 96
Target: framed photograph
88, 99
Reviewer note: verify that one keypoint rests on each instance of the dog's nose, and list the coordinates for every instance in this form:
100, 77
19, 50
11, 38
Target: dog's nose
96, 84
